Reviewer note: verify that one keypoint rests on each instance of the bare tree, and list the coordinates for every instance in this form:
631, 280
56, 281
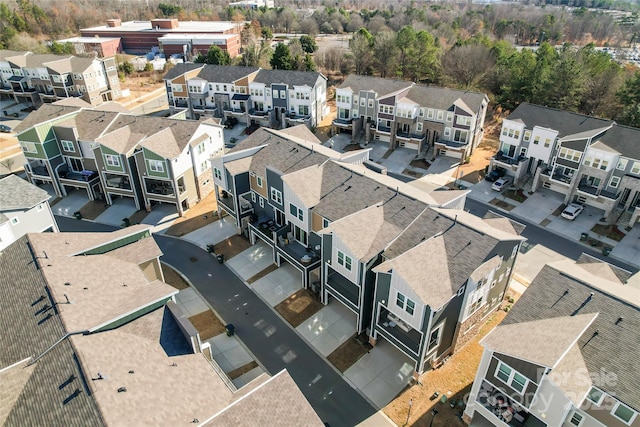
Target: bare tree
468, 65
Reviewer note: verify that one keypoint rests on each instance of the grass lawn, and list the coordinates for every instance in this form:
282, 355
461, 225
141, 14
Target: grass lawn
299, 307
349, 352
171, 277
208, 324
453, 379
203, 213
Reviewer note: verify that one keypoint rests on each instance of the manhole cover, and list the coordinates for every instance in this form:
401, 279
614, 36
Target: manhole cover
193, 259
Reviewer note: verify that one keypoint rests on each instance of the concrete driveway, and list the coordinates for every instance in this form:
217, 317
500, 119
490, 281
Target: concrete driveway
251, 261
73, 202
329, 327
382, 373
628, 249
278, 285
482, 191
539, 206
161, 217
582, 224
121, 208
213, 233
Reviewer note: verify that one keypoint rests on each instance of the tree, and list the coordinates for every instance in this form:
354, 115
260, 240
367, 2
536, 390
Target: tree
468, 65
629, 97
423, 63
126, 67
361, 45
281, 59
62, 48
308, 44
169, 9
309, 65
267, 33
405, 41
215, 56
386, 53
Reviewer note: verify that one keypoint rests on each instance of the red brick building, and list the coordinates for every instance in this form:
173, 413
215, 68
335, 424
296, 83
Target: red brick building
103, 46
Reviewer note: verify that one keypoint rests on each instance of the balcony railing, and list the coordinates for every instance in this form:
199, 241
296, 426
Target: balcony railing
505, 409
405, 334
345, 123
502, 158
181, 104
118, 181
82, 176
301, 256
409, 136
564, 179
36, 170
450, 143
297, 118
383, 129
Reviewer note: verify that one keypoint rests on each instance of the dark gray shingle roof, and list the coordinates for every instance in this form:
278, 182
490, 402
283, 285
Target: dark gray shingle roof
614, 349
623, 139
180, 69
16, 193
443, 98
225, 73
377, 84
290, 78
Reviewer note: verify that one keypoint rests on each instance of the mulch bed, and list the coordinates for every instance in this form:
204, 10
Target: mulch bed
501, 204
412, 173
231, 246
517, 195
263, 273
351, 147
420, 163
238, 372
93, 209
350, 352
207, 324
610, 231
137, 217
171, 277
299, 307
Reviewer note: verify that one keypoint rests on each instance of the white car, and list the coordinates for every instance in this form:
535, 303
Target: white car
500, 184
572, 211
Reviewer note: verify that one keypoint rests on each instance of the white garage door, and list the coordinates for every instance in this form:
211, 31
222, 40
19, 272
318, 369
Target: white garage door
409, 145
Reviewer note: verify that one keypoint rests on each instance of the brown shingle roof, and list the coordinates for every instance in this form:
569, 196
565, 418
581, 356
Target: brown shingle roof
16, 193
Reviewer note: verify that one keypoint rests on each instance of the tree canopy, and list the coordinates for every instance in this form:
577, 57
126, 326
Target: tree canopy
215, 56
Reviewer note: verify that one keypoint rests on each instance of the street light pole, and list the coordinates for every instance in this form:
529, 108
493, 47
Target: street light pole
434, 412
409, 411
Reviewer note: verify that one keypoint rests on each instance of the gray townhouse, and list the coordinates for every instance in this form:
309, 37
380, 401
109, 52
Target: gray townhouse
253, 96
110, 154
44, 78
565, 355
410, 115
338, 222
589, 160
88, 323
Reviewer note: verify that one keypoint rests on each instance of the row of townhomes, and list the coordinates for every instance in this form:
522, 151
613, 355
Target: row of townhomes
271, 98
38, 78
111, 154
24, 208
92, 336
589, 160
566, 354
411, 265
410, 115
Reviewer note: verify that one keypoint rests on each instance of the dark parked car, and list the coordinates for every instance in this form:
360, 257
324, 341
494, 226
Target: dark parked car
231, 122
495, 174
5, 129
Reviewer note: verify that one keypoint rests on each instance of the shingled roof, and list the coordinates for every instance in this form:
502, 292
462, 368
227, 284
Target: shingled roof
16, 193
225, 73
289, 77
378, 85
179, 69
611, 341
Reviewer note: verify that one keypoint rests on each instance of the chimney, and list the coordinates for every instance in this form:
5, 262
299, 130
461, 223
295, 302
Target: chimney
115, 22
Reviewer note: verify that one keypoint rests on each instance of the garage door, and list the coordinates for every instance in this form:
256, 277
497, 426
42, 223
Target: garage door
409, 145
383, 138
449, 153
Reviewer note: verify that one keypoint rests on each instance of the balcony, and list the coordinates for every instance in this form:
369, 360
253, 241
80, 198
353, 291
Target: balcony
450, 143
298, 118
562, 179
343, 123
226, 201
117, 181
508, 161
409, 137
266, 227
295, 252
504, 408
84, 176
384, 130
199, 95
37, 170
344, 286
155, 187
180, 104
399, 332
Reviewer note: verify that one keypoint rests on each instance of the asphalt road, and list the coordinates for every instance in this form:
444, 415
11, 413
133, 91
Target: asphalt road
537, 235
267, 336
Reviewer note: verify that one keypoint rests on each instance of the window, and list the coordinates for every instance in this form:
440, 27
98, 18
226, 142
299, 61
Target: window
421, 112
355, 100
576, 419
261, 202
527, 135
14, 221
387, 109
635, 169
68, 146
29, 147
435, 337
201, 148
511, 377
624, 413
303, 110
112, 160
296, 212
449, 117
362, 102
283, 94
259, 181
400, 300
463, 120
595, 395
430, 114
217, 174
276, 195
615, 181
40, 207
419, 127
440, 115
411, 306
622, 164
536, 140
156, 166
371, 103
514, 251
547, 142
405, 303
325, 222
566, 153
276, 93
344, 260
447, 131
253, 197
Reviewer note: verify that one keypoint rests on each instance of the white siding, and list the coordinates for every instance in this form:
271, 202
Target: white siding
218, 163
550, 404
182, 163
290, 197
87, 149
6, 236
30, 221
539, 151
399, 285
477, 382
338, 245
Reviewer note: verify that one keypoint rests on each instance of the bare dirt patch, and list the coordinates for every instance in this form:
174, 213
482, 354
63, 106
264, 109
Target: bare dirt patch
238, 372
207, 324
610, 231
171, 277
263, 273
299, 307
93, 209
203, 213
420, 163
231, 246
502, 204
350, 352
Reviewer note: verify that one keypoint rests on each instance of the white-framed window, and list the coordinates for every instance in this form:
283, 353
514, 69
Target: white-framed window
536, 140
259, 181
435, 337
430, 113
595, 395
449, 117
362, 102
29, 147
511, 377
176, 88
407, 304
14, 220
547, 142
261, 202
345, 260
461, 291
355, 100
217, 173
635, 169
40, 207
371, 103
527, 135
624, 413
463, 120
201, 147
276, 195
296, 212
421, 112
576, 419
283, 94
156, 166
253, 197
112, 160
68, 146
325, 222
447, 131
615, 181
419, 126
622, 164
569, 154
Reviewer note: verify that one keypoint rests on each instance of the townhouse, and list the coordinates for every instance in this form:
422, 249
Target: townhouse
410, 115
110, 155
93, 337
565, 354
343, 225
588, 160
43, 78
24, 208
253, 96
